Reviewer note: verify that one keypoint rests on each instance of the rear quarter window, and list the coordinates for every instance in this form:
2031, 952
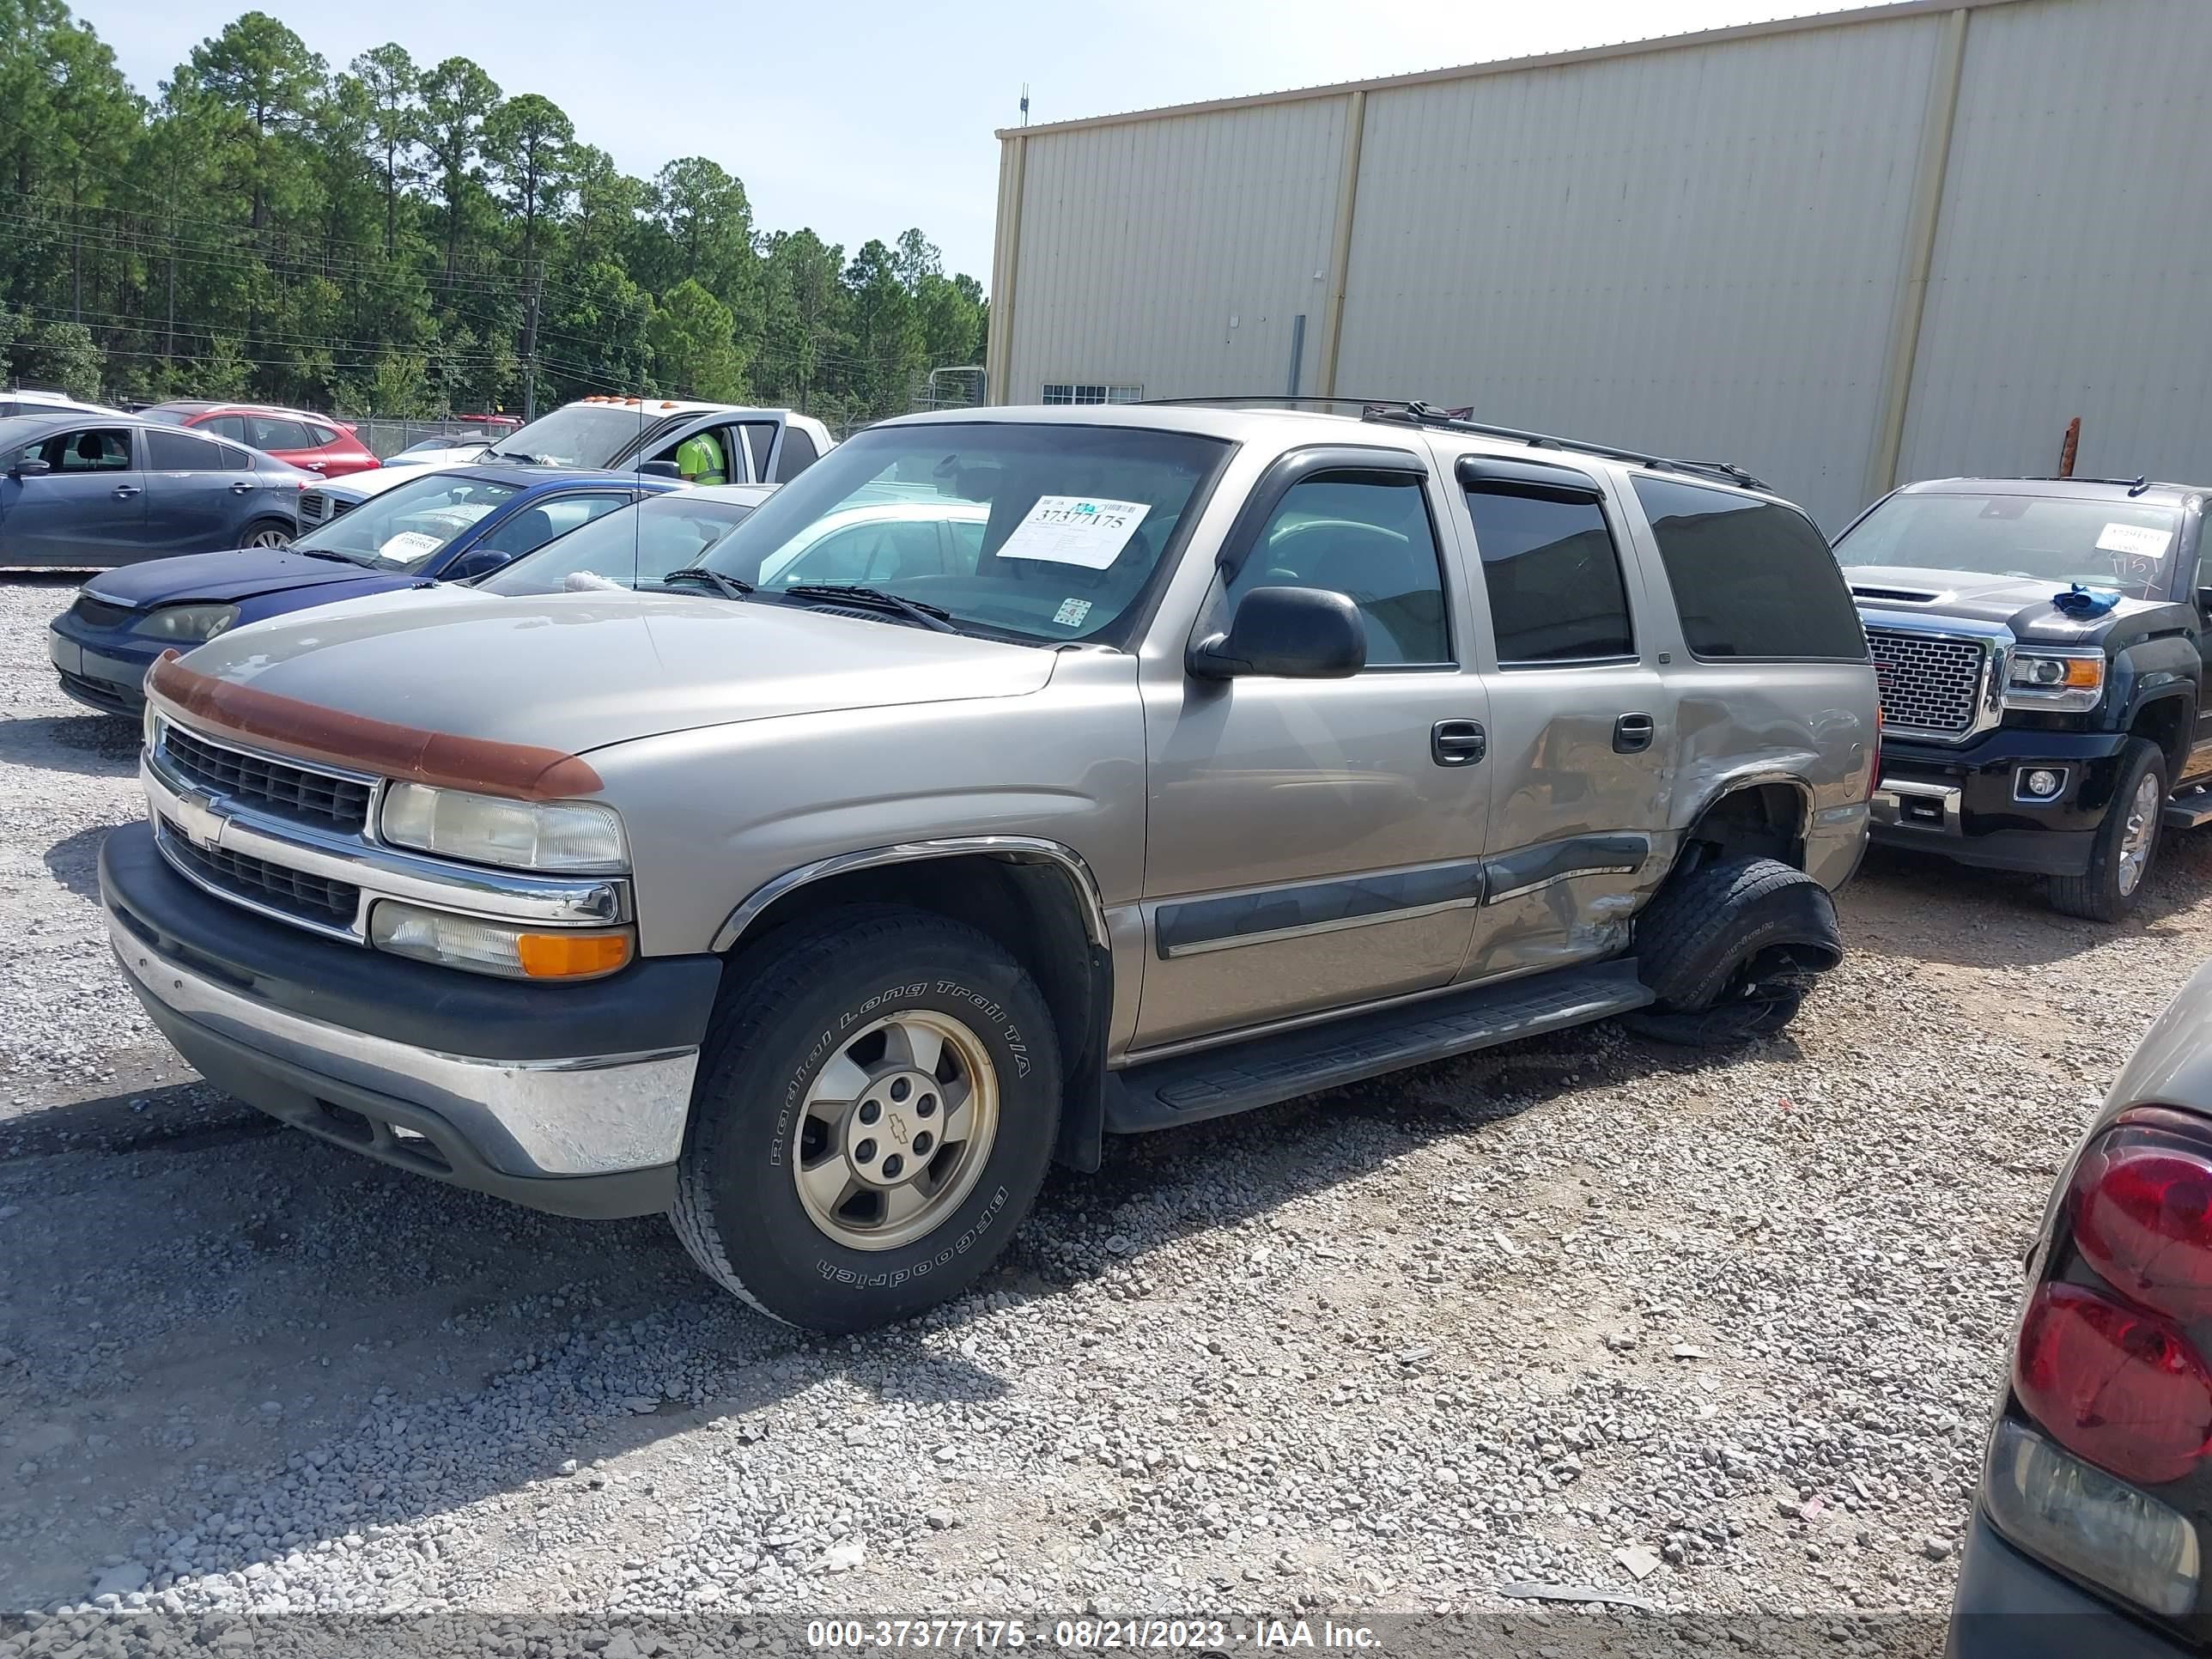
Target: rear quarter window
1750, 579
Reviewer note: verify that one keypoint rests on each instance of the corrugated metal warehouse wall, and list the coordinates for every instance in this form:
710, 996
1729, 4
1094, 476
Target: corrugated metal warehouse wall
1716, 246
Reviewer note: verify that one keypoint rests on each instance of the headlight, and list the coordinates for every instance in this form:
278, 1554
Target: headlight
2067, 681
195, 622
518, 834
493, 947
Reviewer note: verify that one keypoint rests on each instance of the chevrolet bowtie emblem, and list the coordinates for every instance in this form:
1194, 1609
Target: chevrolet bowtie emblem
201, 823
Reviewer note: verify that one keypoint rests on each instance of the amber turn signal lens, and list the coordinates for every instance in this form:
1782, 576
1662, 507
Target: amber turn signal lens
2084, 673
571, 956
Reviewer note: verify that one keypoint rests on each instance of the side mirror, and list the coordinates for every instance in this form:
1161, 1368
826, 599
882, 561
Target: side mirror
480, 561
1290, 633
30, 468
660, 470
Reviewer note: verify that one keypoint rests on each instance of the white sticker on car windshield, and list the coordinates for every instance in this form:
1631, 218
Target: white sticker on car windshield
409, 545
2138, 539
1071, 612
1075, 529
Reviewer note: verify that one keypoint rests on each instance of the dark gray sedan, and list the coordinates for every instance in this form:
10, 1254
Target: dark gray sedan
87, 491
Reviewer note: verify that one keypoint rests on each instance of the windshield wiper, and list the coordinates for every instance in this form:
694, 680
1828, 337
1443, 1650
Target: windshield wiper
319, 553
927, 616
730, 587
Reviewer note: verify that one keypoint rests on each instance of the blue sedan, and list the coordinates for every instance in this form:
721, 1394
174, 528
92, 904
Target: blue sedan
452, 525
82, 489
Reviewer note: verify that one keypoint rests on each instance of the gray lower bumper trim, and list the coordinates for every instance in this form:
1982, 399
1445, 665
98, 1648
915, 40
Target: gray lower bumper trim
590, 1115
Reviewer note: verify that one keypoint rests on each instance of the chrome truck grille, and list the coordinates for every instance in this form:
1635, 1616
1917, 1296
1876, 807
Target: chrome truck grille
299, 792
1931, 685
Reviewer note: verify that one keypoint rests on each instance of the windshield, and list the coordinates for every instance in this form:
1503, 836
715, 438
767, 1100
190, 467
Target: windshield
581, 434
2057, 539
405, 527
1045, 531
634, 547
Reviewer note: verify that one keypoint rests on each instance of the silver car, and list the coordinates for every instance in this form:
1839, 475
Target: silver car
1213, 757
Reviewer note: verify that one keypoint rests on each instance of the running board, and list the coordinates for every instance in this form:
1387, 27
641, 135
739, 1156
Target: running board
2190, 811
1261, 1070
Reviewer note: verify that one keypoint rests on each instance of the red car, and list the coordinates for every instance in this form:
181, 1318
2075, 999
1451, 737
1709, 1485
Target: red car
314, 442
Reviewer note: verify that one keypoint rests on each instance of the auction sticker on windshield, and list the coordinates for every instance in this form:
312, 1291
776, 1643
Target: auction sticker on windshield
409, 545
2139, 539
1075, 529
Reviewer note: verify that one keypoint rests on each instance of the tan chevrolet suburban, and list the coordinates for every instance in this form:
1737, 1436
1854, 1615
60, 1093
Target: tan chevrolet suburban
1161, 762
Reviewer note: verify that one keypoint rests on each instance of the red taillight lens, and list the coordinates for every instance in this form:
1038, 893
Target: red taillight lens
2120, 1386
2141, 1203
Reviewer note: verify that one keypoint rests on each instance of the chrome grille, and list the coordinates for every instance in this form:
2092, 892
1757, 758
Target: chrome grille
314, 507
299, 792
294, 892
1928, 683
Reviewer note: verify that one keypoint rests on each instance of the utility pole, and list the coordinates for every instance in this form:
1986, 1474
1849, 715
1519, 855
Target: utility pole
529, 348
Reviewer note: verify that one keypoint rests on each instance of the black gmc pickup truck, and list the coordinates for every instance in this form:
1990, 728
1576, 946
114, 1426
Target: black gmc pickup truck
2042, 646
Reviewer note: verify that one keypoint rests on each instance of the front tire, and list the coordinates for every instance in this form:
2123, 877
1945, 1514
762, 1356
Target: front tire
877, 1105
267, 533
2126, 843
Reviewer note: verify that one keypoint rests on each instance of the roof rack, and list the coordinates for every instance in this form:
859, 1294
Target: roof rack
1411, 412
2136, 486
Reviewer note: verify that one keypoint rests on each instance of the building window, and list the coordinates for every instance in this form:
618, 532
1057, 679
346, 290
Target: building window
1070, 391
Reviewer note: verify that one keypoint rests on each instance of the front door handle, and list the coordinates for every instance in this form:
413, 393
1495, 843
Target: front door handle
125, 492
1632, 734
1457, 742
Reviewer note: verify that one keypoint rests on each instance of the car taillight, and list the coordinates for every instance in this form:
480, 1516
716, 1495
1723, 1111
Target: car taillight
2122, 1386
2141, 1203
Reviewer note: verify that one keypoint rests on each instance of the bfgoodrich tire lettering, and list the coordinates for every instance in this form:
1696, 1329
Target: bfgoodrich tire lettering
793, 1016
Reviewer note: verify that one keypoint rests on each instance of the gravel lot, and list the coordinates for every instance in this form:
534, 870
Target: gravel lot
1513, 1318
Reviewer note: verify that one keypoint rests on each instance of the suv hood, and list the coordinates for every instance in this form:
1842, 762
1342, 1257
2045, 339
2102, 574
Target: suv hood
223, 577
576, 672
2020, 602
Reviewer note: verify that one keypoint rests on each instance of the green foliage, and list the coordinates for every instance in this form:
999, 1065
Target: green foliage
695, 353
405, 239
54, 356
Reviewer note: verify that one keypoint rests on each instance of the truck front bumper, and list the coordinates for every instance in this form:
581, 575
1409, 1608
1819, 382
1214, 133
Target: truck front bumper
1968, 803
569, 1098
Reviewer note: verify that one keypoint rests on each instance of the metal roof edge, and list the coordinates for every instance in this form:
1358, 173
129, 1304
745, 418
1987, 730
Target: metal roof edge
1772, 26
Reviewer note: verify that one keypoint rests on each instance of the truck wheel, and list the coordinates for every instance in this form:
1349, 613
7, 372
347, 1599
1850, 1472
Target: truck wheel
877, 1100
1730, 951
2120, 856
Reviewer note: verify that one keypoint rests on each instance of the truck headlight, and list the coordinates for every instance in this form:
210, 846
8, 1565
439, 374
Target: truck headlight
2065, 681
496, 947
195, 623
517, 835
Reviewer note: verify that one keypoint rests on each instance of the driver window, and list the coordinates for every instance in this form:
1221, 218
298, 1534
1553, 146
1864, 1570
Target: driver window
1368, 537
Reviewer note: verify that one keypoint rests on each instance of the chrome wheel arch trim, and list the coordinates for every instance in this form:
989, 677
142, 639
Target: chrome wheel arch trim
1013, 850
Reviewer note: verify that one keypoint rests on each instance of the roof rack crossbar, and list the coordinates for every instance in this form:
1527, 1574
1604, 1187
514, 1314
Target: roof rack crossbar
1411, 412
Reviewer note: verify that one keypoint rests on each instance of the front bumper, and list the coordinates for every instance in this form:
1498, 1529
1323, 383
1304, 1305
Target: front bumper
1964, 804
571, 1098
2008, 1607
101, 672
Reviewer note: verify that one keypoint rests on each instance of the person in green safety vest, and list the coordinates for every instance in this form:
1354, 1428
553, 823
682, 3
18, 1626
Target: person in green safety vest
699, 459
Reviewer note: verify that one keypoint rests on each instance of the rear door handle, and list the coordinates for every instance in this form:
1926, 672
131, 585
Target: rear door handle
125, 492
1632, 734
242, 489
1457, 742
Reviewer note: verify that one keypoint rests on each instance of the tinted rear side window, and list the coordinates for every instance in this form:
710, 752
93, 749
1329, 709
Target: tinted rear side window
179, 452
1553, 577
1750, 578
799, 453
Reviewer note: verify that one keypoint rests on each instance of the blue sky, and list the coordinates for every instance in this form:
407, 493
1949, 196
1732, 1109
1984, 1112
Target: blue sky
862, 118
